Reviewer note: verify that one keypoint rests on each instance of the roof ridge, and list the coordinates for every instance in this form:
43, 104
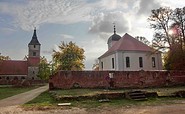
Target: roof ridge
127, 43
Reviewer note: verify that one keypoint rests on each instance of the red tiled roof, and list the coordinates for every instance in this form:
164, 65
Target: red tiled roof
11, 67
127, 43
33, 61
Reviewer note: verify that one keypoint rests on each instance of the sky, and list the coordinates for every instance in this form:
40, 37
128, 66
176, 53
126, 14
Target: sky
88, 23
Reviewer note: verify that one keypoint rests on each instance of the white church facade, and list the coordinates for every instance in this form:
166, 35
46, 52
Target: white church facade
128, 54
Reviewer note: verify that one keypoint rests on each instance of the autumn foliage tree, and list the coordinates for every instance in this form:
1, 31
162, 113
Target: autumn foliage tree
169, 36
2, 57
69, 57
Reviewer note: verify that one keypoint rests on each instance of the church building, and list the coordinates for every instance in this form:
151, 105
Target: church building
23, 69
128, 54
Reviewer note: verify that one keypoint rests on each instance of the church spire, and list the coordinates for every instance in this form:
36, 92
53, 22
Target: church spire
34, 34
34, 40
114, 28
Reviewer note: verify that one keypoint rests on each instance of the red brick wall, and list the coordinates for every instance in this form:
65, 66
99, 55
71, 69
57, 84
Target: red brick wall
121, 79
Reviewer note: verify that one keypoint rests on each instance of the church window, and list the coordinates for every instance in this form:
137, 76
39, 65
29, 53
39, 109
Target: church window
140, 62
127, 62
34, 53
34, 46
153, 62
113, 63
102, 65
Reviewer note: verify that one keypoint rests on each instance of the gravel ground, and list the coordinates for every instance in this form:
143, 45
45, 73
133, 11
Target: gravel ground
163, 109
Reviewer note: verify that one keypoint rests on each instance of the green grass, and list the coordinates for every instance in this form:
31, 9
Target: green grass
45, 99
10, 91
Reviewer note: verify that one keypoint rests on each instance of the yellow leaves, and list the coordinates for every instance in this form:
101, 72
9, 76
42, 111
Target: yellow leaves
70, 56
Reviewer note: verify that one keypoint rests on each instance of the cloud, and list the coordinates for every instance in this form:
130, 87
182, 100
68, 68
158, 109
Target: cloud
66, 36
34, 12
103, 23
145, 6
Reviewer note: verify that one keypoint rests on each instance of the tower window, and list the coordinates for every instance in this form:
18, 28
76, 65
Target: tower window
127, 62
34, 46
140, 62
113, 63
153, 62
34, 53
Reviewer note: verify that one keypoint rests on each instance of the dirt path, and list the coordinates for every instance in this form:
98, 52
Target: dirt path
163, 109
23, 97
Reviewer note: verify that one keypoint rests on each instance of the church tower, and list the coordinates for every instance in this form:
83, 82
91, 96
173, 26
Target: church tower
113, 39
33, 56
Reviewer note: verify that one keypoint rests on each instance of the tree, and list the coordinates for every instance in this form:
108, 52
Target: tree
160, 21
143, 39
2, 57
95, 66
179, 23
169, 26
44, 69
69, 57
175, 59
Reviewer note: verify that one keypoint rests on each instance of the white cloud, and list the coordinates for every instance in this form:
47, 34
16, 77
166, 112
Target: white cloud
35, 13
103, 23
66, 36
172, 3
93, 49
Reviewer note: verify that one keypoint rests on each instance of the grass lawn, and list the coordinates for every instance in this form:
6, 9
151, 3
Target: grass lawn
45, 98
7, 91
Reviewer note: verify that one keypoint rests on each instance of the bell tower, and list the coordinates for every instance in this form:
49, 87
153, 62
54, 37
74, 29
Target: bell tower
34, 46
33, 56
